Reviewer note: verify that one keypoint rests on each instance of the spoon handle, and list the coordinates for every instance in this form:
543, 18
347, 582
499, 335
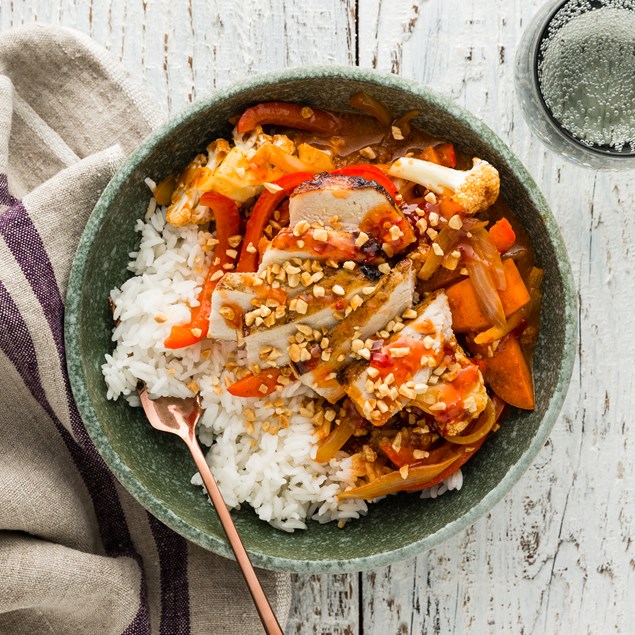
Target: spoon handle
267, 616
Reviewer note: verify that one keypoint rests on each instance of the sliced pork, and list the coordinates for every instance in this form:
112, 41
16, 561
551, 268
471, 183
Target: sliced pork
400, 367
393, 295
270, 334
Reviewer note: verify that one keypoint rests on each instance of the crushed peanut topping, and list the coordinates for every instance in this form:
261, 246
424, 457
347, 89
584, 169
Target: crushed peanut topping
397, 135
192, 386
301, 306
395, 233
456, 222
368, 153
432, 233
301, 228
273, 187
362, 239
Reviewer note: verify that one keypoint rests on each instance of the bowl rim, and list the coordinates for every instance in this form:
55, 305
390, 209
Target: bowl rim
153, 504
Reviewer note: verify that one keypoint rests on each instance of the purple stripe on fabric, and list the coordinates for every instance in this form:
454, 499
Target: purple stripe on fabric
22, 238
175, 596
26, 245
27, 248
140, 625
18, 346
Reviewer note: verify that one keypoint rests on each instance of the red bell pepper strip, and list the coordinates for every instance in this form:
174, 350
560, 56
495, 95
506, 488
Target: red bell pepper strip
259, 385
263, 210
370, 173
227, 219
280, 113
503, 235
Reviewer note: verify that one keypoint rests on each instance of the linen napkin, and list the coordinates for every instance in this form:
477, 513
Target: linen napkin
77, 554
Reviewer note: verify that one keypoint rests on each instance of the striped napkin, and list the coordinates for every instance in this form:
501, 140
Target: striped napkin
77, 554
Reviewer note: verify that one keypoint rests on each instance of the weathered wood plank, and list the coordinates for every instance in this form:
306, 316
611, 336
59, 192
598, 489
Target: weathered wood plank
556, 555
325, 605
183, 50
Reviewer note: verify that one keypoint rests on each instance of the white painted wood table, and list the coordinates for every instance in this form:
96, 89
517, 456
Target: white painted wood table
556, 555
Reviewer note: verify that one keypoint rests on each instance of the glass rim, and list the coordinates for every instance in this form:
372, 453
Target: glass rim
558, 128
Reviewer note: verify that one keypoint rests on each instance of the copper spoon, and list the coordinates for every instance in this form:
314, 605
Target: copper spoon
180, 416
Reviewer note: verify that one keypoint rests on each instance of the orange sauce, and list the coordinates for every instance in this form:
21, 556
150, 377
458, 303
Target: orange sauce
378, 222
339, 247
236, 321
454, 393
402, 368
266, 292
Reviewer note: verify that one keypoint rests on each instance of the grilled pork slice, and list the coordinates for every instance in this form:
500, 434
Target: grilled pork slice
237, 294
357, 204
318, 243
458, 397
392, 296
349, 198
269, 332
401, 367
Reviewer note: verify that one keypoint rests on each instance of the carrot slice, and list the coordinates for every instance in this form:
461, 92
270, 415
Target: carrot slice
431, 155
446, 154
466, 312
503, 235
259, 385
508, 374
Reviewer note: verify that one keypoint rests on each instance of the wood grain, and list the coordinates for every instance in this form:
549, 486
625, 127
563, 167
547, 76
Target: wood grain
556, 555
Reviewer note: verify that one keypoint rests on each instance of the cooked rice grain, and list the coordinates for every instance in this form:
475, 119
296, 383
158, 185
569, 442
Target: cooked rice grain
272, 473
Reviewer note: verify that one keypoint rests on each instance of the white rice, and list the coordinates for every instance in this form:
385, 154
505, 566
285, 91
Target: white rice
273, 473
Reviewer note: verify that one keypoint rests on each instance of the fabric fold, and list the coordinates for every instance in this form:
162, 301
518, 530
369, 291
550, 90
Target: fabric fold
77, 553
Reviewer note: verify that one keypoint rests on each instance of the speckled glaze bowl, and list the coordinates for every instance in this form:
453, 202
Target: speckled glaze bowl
156, 468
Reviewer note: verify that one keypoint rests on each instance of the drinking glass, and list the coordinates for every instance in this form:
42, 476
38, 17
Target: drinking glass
575, 79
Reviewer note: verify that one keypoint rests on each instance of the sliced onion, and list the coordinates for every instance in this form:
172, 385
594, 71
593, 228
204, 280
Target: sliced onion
447, 238
392, 482
484, 424
496, 332
486, 293
335, 441
364, 102
403, 123
487, 251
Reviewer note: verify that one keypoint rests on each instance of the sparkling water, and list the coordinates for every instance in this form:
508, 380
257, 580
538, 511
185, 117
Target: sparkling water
586, 72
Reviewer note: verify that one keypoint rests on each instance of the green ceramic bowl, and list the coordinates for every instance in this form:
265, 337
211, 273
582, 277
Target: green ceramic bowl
156, 468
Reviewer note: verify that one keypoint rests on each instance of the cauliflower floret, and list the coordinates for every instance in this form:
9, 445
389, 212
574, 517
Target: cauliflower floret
475, 189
